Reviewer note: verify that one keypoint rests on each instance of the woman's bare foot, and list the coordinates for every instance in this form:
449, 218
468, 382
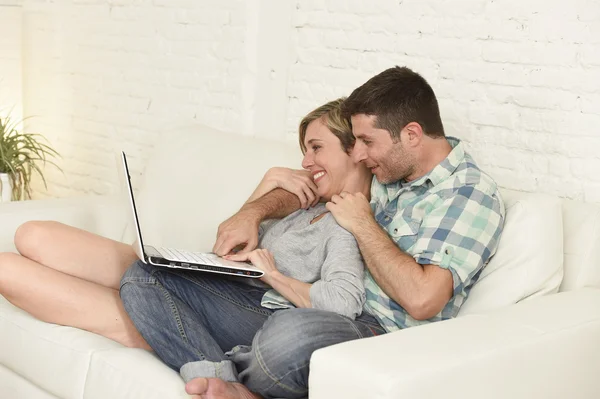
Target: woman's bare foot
215, 388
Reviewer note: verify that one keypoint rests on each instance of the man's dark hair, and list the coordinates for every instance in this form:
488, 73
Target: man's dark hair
397, 96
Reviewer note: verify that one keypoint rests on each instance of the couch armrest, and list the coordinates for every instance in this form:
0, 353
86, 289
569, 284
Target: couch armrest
102, 215
548, 347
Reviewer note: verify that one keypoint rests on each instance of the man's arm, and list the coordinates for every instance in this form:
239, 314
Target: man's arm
422, 291
242, 228
455, 240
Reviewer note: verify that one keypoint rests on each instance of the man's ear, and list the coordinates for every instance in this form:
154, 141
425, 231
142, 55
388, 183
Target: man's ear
412, 134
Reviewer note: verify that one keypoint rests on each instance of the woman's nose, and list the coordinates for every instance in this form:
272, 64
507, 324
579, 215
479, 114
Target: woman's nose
307, 161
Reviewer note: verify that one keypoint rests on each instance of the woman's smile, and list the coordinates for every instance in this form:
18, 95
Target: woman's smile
318, 175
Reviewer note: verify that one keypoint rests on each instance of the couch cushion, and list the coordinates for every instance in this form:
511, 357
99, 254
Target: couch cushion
198, 178
582, 245
12, 385
55, 358
133, 374
529, 259
69, 363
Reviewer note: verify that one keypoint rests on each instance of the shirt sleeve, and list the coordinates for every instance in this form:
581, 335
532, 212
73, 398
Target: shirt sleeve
461, 234
341, 287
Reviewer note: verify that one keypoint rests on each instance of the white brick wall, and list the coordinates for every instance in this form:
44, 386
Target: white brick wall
519, 81
11, 93
106, 75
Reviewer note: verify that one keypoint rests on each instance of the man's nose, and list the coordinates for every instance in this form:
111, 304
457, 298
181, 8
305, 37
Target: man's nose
359, 154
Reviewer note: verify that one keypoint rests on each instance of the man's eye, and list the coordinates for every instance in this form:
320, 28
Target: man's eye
316, 147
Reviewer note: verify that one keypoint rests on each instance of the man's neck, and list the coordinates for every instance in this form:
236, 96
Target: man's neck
434, 152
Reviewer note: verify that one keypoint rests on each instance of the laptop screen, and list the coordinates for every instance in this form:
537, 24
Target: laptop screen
139, 244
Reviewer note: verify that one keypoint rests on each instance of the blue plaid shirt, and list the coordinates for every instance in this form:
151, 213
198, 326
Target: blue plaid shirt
452, 217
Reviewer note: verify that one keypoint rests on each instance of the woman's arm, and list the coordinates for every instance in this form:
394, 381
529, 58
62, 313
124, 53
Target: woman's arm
340, 288
293, 290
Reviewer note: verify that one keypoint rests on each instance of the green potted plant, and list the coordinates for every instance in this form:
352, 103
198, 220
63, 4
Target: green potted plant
19, 156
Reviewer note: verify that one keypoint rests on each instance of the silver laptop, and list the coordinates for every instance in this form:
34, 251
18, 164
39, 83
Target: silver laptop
180, 259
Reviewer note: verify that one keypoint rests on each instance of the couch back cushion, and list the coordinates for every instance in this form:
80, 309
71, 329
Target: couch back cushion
582, 245
197, 178
529, 259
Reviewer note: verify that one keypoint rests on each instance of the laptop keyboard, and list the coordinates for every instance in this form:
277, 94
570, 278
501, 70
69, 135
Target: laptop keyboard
186, 256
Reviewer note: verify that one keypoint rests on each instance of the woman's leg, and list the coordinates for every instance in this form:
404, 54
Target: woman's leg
59, 298
69, 276
277, 363
192, 318
75, 252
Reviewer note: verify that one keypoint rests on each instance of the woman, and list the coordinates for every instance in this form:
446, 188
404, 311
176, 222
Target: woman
191, 320
79, 287
330, 278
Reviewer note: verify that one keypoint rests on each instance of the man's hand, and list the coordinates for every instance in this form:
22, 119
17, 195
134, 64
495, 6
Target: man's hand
242, 228
239, 230
349, 210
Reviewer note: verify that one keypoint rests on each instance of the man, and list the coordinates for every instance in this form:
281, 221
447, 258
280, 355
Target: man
433, 222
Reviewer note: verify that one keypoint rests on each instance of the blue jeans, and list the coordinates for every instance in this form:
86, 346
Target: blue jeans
203, 325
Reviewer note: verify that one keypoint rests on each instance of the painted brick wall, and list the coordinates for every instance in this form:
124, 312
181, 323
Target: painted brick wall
518, 81
11, 91
107, 75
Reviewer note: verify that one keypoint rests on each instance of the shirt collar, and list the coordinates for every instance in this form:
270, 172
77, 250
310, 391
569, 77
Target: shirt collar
445, 168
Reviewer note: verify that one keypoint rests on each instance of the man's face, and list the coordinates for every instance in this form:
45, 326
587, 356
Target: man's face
388, 159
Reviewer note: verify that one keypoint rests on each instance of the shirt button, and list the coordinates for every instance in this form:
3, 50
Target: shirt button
395, 231
447, 251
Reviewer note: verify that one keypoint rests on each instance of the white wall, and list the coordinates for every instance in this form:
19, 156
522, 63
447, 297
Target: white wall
519, 81
11, 83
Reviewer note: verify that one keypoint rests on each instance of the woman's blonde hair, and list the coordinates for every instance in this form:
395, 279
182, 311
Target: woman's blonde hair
331, 116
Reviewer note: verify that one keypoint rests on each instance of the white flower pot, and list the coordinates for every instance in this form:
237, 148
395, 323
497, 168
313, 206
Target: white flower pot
5, 187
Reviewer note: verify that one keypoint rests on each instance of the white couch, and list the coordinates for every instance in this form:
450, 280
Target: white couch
545, 346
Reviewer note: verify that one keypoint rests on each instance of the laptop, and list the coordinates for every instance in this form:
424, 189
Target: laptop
181, 259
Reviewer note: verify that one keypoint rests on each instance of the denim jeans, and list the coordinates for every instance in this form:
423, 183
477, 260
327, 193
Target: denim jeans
204, 325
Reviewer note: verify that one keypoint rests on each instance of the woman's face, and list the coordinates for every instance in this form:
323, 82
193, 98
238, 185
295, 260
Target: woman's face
332, 169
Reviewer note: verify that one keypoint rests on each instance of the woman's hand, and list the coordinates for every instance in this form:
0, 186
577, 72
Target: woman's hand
298, 182
261, 258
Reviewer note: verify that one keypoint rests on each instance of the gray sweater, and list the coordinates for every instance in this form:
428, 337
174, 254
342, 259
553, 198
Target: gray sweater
323, 254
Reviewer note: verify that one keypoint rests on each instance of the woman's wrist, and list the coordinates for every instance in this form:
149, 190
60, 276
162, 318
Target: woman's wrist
270, 181
273, 277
